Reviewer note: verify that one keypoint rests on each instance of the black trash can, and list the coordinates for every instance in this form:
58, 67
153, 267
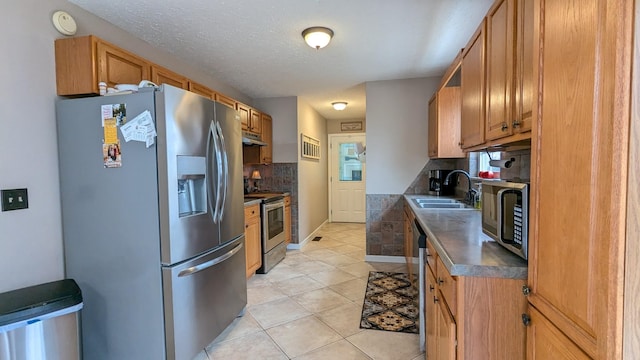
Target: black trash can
41, 322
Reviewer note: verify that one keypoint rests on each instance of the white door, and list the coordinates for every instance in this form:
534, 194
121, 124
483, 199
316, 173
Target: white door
347, 175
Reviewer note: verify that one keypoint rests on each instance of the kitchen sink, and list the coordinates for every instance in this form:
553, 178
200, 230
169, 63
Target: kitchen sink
427, 203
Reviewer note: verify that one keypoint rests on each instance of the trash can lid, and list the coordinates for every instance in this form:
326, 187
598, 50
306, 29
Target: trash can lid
37, 300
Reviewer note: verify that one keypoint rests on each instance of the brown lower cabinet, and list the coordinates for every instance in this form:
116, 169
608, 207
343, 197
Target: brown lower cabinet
252, 244
470, 317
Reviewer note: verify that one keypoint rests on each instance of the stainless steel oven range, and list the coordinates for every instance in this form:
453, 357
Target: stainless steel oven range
274, 248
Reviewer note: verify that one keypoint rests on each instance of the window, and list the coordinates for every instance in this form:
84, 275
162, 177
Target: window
479, 161
350, 162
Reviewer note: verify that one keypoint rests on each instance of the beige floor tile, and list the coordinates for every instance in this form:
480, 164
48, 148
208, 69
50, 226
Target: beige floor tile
344, 319
258, 280
339, 350
386, 345
303, 335
313, 267
240, 327
359, 269
282, 272
390, 267
295, 259
250, 347
353, 290
320, 300
277, 312
332, 277
319, 254
346, 248
298, 285
339, 260
262, 294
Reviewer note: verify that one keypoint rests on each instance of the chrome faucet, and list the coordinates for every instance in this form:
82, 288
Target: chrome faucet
470, 196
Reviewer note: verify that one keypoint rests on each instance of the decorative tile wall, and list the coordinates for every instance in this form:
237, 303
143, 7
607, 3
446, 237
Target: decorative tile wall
385, 226
279, 177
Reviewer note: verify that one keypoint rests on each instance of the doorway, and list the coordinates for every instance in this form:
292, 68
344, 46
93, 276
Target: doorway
347, 178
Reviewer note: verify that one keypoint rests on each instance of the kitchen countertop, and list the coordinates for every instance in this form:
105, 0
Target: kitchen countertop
251, 199
464, 249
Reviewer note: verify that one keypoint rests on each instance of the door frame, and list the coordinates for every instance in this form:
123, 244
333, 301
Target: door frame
330, 139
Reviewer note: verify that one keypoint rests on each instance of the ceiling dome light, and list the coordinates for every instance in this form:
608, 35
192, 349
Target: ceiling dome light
339, 105
317, 37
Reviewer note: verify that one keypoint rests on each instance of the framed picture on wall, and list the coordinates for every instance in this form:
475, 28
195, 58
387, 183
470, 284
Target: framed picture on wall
351, 126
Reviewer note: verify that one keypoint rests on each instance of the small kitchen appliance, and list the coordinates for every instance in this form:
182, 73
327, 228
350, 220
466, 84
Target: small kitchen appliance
436, 183
505, 214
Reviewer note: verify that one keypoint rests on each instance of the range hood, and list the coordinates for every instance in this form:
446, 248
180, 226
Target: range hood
252, 139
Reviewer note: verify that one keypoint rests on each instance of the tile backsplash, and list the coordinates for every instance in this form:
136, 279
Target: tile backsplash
279, 177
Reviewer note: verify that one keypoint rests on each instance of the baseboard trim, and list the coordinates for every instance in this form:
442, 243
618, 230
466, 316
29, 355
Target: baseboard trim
308, 238
383, 258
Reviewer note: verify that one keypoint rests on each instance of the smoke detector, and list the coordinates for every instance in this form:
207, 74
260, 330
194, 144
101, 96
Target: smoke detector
64, 23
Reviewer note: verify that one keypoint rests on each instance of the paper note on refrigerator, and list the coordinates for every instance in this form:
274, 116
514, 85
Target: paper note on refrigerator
140, 128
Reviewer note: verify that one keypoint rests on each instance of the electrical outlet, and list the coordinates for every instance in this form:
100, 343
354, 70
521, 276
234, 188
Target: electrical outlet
14, 199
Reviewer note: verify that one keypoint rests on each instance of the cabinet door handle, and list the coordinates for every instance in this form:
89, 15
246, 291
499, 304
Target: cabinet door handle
526, 319
505, 127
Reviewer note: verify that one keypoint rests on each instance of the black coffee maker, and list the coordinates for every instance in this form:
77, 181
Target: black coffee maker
436, 183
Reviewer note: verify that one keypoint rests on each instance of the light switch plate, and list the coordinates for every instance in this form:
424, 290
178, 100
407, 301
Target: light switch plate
14, 199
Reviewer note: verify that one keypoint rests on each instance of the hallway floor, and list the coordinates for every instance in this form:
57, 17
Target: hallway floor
308, 307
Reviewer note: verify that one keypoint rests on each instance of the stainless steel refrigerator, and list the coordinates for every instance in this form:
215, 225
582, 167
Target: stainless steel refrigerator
153, 230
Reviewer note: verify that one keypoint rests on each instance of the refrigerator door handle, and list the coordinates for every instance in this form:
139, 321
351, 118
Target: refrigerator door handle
194, 269
225, 161
219, 188
210, 190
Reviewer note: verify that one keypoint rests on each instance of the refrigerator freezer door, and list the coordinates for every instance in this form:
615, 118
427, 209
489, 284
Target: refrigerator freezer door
183, 124
202, 297
232, 211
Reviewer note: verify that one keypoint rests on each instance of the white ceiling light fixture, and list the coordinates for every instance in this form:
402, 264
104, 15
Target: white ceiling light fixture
339, 105
317, 37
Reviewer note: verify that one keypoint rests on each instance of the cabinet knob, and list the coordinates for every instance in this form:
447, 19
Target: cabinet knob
246, 226
516, 123
526, 290
526, 320
431, 288
505, 127
435, 300
440, 281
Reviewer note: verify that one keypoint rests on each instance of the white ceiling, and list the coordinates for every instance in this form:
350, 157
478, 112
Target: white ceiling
256, 46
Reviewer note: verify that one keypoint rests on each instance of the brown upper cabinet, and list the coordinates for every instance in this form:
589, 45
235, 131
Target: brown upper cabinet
255, 121
473, 90
266, 152
444, 119
83, 62
227, 101
160, 75
244, 111
509, 69
202, 90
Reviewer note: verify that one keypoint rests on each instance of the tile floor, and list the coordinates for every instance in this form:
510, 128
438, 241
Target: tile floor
308, 307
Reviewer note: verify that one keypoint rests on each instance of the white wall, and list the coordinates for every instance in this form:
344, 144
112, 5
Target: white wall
313, 182
397, 115
284, 112
31, 240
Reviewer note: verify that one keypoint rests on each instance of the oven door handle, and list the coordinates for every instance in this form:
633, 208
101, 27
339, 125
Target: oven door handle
273, 205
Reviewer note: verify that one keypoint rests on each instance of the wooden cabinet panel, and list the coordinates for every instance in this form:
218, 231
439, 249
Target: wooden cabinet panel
524, 85
473, 87
500, 63
408, 240
444, 124
244, 116
287, 219
83, 62
255, 122
266, 152
201, 90
229, 102
431, 318
120, 67
160, 75
446, 333
581, 132
253, 247
545, 341
447, 286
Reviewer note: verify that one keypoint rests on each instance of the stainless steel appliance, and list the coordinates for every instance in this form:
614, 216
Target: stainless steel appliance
505, 214
156, 244
274, 248
420, 240
436, 183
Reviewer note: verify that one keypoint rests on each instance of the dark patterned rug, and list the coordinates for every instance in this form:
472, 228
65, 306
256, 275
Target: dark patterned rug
390, 303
